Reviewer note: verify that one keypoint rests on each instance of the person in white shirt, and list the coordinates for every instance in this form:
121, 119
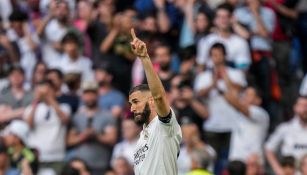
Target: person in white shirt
72, 61
47, 120
126, 147
290, 136
252, 124
211, 86
237, 48
158, 145
52, 29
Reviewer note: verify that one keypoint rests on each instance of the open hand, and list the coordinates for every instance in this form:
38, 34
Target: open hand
138, 47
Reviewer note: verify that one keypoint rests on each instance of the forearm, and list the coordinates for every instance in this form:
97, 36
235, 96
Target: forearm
261, 29
273, 161
108, 41
41, 28
74, 139
286, 11
109, 137
156, 88
238, 29
63, 117
163, 21
30, 119
200, 109
189, 17
205, 91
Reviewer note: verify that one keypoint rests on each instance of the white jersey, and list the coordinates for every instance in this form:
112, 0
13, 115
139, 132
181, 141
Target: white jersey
158, 148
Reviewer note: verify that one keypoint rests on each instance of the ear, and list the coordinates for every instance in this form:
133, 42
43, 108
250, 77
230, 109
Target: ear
151, 101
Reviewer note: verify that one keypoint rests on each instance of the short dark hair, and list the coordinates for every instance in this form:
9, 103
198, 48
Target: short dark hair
57, 72
141, 88
287, 161
218, 46
236, 167
18, 16
17, 68
224, 6
71, 37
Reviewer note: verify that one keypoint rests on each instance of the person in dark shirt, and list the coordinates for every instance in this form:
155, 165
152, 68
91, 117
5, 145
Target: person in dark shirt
56, 77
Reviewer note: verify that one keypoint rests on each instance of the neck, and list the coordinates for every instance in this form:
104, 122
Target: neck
153, 114
104, 89
224, 33
73, 56
17, 88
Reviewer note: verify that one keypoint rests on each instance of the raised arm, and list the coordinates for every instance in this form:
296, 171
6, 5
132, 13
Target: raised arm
155, 85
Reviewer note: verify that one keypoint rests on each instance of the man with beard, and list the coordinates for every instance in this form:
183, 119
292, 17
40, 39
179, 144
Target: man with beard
93, 132
291, 136
158, 146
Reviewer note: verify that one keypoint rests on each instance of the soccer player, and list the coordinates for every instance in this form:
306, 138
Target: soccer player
158, 146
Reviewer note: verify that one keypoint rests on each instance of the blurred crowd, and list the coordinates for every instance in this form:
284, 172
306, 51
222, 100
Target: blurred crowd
235, 73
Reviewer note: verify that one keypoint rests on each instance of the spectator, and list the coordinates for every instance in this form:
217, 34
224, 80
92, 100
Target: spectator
46, 117
186, 105
56, 77
93, 132
200, 162
84, 16
236, 167
288, 165
162, 56
22, 159
38, 75
291, 136
72, 61
237, 48
202, 25
191, 143
303, 165
26, 43
99, 28
251, 124
117, 43
260, 23
15, 98
125, 148
109, 98
211, 86
254, 165
76, 166
121, 167
52, 29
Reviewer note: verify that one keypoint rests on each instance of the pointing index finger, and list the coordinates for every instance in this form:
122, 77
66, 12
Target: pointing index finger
133, 34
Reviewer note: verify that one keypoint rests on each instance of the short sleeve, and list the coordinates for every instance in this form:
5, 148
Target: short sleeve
66, 109
243, 59
259, 115
202, 51
237, 77
275, 139
203, 80
269, 20
172, 127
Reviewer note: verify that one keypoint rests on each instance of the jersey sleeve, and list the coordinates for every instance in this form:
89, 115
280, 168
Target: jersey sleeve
169, 125
275, 139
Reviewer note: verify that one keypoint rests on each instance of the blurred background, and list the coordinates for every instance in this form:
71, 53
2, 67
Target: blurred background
234, 72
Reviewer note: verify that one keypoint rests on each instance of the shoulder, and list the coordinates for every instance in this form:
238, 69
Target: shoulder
267, 11
259, 114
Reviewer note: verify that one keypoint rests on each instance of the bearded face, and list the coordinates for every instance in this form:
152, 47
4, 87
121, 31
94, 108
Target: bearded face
142, 117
